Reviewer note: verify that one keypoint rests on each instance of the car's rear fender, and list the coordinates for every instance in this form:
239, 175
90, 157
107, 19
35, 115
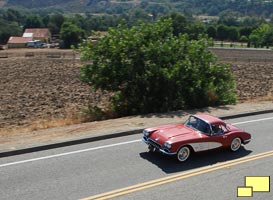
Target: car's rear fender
245, 137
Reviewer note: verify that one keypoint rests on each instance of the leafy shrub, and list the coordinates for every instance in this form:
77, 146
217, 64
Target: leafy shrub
151, 70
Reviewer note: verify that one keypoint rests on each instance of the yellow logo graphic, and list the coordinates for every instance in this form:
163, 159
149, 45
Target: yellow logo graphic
254, 184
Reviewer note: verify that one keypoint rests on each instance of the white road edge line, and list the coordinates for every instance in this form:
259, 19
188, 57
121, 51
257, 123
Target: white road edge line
68, 153
255, 120
105, 146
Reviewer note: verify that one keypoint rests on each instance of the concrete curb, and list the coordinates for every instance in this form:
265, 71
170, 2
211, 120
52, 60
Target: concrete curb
246, 114
108, 136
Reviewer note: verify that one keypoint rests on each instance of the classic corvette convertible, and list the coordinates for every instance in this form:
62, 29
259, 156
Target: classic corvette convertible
200, 132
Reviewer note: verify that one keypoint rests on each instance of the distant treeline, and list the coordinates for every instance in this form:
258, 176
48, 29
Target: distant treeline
228, 26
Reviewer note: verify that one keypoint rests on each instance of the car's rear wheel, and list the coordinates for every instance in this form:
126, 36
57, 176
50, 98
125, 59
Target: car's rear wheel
183, 154
235, 144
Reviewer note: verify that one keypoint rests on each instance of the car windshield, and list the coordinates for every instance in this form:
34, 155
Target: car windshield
198, 124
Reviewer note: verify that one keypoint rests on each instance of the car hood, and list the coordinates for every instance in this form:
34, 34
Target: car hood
170, 132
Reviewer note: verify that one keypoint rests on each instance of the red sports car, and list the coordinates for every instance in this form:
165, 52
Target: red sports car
200, 132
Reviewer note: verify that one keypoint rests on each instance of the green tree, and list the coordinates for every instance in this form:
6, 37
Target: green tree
211, 31
182, 25
195, 30
149, 69
55, 23
233, 34
179, 24
229, 18
34, 21
243, 38
12, 15
254, 40
71, 35
261, 36
246, 30
268, 38
252, 21
8, 29
222, 32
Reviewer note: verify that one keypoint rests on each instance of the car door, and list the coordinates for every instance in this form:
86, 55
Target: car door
219, 138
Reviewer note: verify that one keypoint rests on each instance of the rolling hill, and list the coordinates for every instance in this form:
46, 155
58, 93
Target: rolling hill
197, 7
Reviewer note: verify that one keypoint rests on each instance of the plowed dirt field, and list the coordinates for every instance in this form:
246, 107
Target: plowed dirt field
37, 90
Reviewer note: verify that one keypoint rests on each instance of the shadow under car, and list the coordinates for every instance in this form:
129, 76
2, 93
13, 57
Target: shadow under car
169, 164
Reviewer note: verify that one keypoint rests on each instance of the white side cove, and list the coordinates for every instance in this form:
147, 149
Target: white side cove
203, 146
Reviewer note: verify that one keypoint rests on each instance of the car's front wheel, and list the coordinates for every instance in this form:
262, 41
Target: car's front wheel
183, 154
235, 144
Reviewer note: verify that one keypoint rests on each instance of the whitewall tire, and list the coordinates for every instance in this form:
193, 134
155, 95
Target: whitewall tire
183, 154
235, 144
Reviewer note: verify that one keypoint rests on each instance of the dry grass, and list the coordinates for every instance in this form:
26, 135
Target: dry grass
269, 97
72, 118
69, 119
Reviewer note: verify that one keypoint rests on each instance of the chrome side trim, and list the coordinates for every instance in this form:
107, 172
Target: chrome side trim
204, 146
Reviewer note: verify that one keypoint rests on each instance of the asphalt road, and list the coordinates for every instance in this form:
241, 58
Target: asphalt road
82, 171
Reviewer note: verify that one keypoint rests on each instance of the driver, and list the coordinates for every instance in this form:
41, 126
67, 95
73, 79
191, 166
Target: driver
217, 129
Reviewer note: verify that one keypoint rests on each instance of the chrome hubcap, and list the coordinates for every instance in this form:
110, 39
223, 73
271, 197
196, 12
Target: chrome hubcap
183, 154
235, 145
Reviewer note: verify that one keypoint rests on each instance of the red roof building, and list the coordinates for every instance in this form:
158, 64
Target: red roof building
18, 42
42, 34
31, 34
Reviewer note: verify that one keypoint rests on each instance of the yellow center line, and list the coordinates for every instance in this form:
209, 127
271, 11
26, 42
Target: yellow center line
177, 177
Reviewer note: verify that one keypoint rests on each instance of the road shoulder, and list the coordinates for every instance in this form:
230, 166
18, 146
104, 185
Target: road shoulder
18, 143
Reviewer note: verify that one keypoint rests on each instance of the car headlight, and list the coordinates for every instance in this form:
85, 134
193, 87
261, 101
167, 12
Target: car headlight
146, 133
168, 144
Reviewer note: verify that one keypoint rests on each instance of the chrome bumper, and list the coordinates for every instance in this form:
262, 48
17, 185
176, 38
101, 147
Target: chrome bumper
144, 139
247, 141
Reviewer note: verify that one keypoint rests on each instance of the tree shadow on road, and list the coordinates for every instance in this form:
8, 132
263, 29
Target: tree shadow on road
169, 164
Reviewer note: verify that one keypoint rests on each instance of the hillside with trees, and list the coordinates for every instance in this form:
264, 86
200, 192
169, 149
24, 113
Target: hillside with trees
246, 21
253, 31
196, 7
